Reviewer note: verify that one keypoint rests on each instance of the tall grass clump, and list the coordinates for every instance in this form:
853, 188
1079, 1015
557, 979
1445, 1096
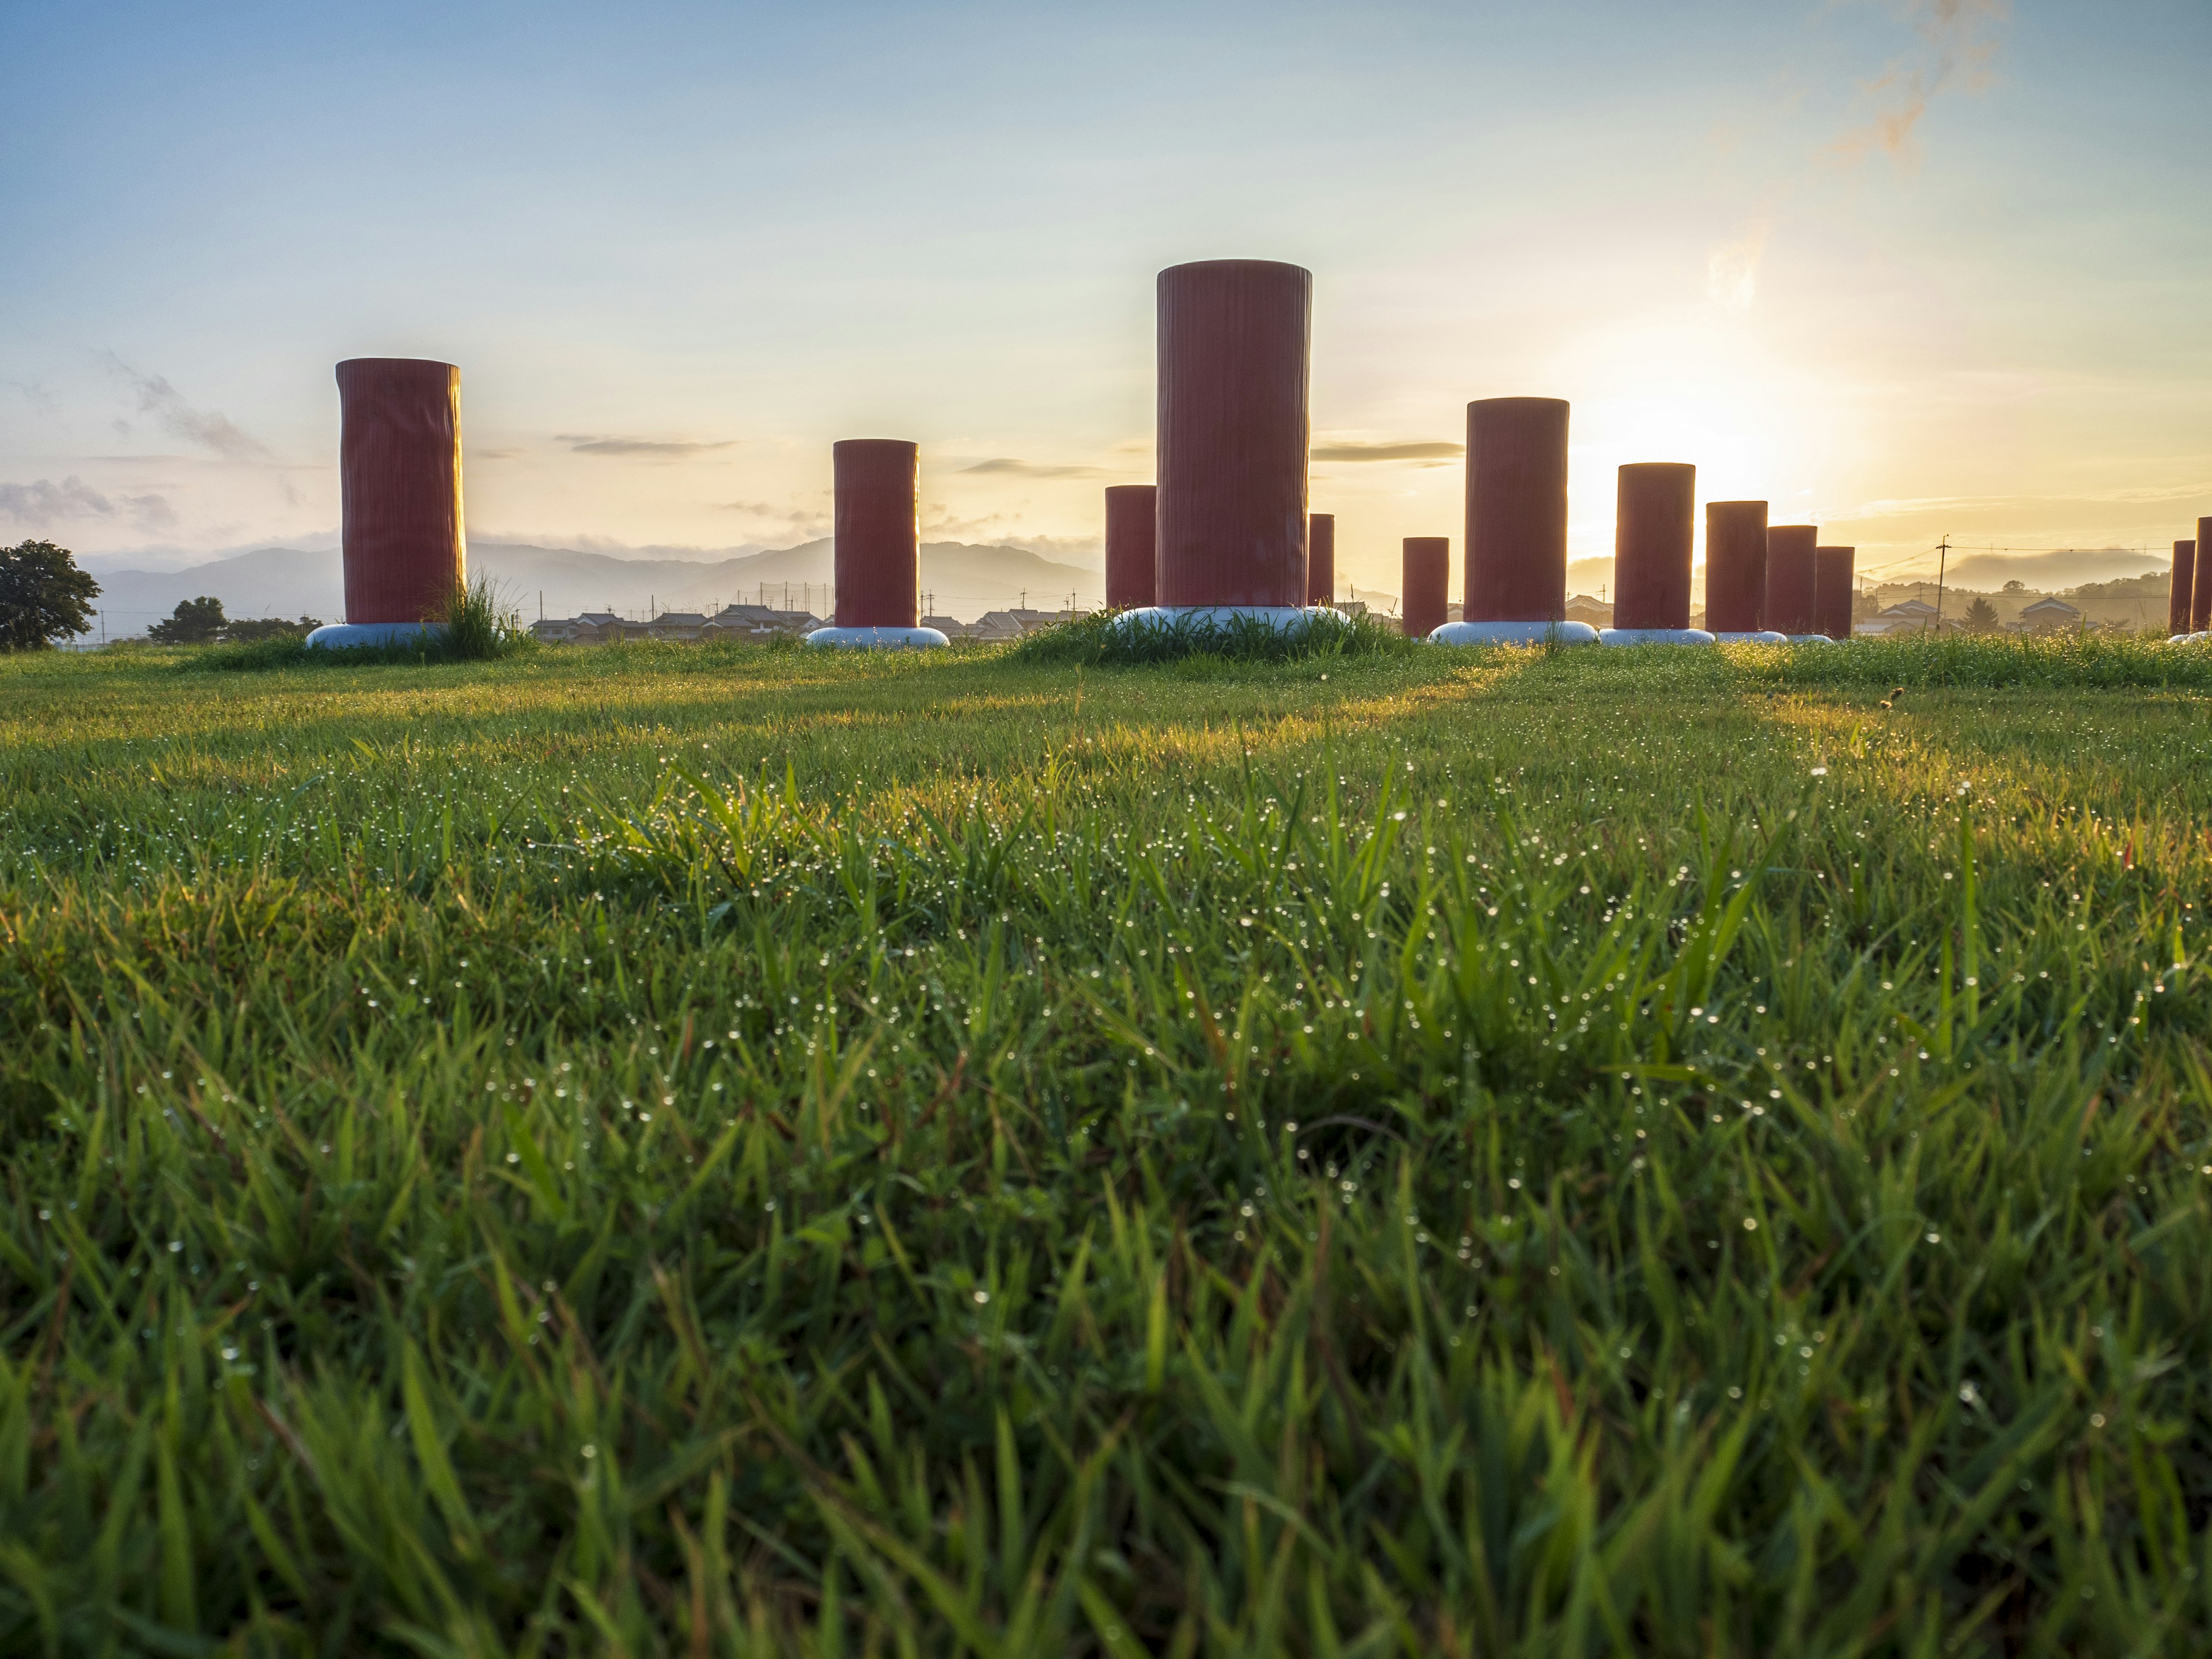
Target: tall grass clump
2075, 660
1104, 638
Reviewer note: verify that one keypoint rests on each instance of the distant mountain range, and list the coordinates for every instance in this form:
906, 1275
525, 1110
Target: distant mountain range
957, 578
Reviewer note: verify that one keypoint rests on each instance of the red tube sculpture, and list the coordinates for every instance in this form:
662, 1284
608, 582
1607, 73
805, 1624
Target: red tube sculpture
1654, 527
2179, 595
1735, 566
1427, 582
1132, 545
878, 553
1517, 510
1233, 341
2200, 602
1789, 607
399, 473
1321, 557
1831, 590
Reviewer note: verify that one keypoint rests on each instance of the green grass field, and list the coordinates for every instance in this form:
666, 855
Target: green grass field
725, 1151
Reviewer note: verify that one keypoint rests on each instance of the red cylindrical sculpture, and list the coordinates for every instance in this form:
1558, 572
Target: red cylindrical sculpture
1321, 557
1735, 566
877, 552
1832, 591
1132, 526
2199, 603
399, 480
1427, 582
1790, 579
1655, 528
2180, 595
1517, 510
1232, 433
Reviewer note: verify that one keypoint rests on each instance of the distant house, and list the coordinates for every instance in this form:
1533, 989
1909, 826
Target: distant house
1583, 609
1011, 624
757, 622
951, 626
1906, 615
676, 625
2048, 614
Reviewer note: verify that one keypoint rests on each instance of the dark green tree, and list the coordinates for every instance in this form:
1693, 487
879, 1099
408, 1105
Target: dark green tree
249, 631
1981, 616
44, 597
195, 622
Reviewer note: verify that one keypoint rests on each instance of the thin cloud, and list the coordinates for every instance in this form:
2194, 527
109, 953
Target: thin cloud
1958, 43
209, 429
1408, 450
657, 448
1732, 269
1006, 466
45, 501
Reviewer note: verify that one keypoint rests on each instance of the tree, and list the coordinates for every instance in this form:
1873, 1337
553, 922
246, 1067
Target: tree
196, 622
1981, 616
43, 596
248, 631
2015, 585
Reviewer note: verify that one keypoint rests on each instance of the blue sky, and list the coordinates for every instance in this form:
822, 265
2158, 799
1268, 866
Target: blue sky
1901, 268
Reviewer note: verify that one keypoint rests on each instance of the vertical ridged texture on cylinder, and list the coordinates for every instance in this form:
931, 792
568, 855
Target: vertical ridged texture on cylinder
1232, 435
399, 481
1654, 533
1132, 543
2200, 602
1832, 591
1735, 566
878, 553
1428, 583
1321, 557
2180, 595
1790, 578
1517, 510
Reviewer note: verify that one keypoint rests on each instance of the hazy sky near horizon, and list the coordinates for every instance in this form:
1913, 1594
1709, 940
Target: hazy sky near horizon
1901, 267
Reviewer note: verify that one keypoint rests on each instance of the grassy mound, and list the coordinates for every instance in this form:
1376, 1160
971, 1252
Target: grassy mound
1100, 640
479, 626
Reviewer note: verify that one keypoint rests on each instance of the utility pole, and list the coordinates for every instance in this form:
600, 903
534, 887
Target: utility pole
1941, 564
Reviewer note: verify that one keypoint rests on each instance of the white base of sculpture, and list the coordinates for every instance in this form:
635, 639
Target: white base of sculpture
1810, 639
878, 638
1514, 632
1654, 636
1282, 618
2189, 639
1763, 636
346, 637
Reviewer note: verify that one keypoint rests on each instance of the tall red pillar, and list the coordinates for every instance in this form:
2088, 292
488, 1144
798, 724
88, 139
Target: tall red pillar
1233, 344
877, 552
1517, 510
1321, 558
1831, 590
2180, 595
1790, 579
1132, 545
399, 478
1427, 584
1735, 566
1655, 525
2199, 603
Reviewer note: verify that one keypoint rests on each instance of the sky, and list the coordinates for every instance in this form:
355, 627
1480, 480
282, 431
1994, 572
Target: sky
1906, 269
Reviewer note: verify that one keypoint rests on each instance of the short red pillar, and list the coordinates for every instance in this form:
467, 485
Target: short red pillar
1321, 557
1654, 524
1132, 545
877, 552
1790, 579
1735, 566
2199, 603
1233, 342
1427, 583
1517, 510
400, 481
2180, 595
1831, 590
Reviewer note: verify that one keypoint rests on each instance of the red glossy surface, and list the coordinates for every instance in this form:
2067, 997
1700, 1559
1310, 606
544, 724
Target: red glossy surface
1790, 578
2199, 603
1133, 525
1321, 557
1831, 590
1233, 338
1655, 524
877, 552
1736, 566
1517, 510
1427, 585
399, 482
2179, 595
